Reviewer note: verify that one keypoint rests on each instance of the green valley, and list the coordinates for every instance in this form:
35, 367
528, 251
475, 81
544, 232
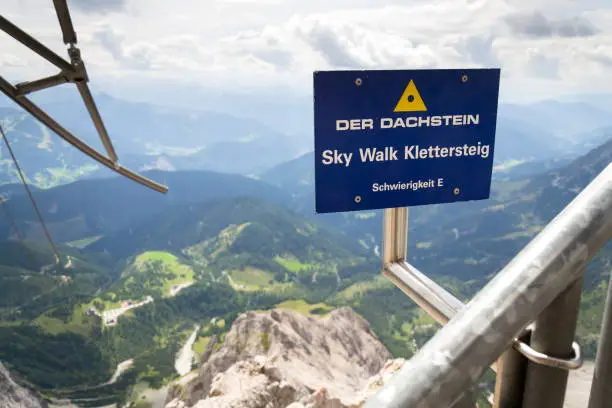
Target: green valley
207, 262
156, 273
141, 282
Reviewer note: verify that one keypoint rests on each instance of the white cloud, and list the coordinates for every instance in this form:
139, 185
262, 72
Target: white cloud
552, 45
11, 61
535, 25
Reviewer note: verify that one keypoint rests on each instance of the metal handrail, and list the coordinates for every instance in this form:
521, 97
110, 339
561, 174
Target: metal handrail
457, 356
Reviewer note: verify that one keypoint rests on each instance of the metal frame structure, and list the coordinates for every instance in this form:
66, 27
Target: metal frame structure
70, 72
521, 323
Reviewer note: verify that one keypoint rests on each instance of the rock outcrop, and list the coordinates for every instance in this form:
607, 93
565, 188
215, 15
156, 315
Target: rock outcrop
12, 395
278, 358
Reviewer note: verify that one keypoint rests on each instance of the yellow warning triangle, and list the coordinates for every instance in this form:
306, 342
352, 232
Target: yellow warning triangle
411, 100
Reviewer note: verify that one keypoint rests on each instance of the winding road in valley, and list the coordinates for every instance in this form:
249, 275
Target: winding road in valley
185, 357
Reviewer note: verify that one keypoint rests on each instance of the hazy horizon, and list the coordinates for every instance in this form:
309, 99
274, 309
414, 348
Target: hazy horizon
150, 49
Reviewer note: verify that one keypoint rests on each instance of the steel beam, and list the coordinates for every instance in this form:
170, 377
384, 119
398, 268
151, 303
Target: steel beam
63, 15
25, 88
10, 91
395, 235
435, 300
553, 336
97, 120
510, 379
457, 356
33, 44
601, 388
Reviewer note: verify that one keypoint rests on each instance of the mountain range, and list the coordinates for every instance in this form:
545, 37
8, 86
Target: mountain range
146, 137
251, 138
145, 277
202, 255
89, 207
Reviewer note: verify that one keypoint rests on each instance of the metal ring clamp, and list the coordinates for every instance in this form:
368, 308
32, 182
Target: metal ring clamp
540, 358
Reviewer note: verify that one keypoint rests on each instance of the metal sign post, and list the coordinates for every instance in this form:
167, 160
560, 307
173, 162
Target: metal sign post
394, 139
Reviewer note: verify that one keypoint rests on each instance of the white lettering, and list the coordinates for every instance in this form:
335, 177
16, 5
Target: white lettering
386, 123
413, 185
374, 154
473, 119
335, 157
409, 153
408, 122
415, 152
367, 154
328, 157
354, 124
484, 152
347, 158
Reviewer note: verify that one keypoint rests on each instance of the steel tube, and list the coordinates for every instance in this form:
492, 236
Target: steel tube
33, 44
395, 235
97, 120
553, 335
435, 300
39, 114
457, 356
510, 380
63, 15
601, 388
25, 88
440, 304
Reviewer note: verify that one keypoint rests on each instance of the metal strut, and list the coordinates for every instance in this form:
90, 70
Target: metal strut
70, 72
39, 114
63, 15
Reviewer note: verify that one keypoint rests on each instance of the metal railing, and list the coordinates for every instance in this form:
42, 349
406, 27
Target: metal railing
521, 323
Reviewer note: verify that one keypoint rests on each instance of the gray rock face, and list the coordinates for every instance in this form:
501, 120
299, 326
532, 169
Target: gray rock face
278, 358
13, 395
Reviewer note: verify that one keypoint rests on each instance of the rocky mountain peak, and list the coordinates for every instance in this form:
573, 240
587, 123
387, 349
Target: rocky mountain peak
275, 358
12, 395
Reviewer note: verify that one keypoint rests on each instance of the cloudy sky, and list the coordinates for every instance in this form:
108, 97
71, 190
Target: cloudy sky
544, 47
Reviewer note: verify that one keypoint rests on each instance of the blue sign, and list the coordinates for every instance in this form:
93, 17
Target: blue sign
398, 138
